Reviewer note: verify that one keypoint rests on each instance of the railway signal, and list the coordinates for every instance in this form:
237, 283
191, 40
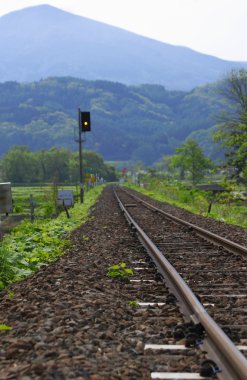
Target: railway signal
85, 122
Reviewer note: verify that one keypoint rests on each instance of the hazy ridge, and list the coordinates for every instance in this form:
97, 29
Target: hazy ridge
43, 41
128, 122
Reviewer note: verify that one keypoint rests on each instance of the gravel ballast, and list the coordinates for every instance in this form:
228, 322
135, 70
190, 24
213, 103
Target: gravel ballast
70, 321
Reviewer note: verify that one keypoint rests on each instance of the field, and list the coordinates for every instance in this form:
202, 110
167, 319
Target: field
43, 196
43, 200
30, 245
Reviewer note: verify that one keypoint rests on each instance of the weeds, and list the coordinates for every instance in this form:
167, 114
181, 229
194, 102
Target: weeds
29, 246
11, 294
120, 272
224, 207
134, 304
5, 327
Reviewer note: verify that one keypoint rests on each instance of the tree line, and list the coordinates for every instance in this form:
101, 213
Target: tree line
189, 160
21, 165
232, 131
128, 122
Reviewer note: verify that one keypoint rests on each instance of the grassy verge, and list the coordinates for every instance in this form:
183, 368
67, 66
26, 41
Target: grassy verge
195, 201
29, 246
43, 196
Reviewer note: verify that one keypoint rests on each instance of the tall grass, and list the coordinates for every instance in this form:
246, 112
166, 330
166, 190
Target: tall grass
43, 197
224, 208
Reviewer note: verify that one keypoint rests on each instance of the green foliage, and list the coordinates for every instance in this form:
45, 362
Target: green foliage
126, 120
190, 158
20, 165
5, 327
31, 245
232, 132
134, 304
42, 196
205, 139
18, 209
225, 207
120, 271
11, 294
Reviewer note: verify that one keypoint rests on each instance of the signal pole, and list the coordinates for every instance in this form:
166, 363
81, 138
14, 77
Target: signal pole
80, 157
84, 125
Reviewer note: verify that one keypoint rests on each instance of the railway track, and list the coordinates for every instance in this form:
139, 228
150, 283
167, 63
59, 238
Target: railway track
71, 321
214, 274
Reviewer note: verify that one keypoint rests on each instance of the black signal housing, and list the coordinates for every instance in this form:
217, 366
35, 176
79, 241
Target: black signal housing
85, 122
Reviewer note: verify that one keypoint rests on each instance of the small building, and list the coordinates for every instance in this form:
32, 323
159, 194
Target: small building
6, 202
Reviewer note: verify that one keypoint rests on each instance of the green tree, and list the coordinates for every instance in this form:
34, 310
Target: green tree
56, 164
19, 165
232, 132
190, 158
94, 163
172, 166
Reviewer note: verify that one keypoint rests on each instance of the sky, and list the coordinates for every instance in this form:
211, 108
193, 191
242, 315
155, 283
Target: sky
214, 27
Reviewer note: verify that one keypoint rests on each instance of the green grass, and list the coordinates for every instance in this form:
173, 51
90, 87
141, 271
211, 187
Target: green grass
43, 197
29, 246
195, 201
231, 213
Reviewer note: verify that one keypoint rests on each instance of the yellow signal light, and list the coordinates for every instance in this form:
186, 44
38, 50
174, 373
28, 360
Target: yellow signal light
85, 122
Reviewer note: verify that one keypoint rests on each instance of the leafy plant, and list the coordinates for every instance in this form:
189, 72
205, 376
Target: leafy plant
120, 271
18, 209
11, 294
5, 327
31, 245
133, 304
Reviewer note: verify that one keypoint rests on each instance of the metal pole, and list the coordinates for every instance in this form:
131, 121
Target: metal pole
80, 158
31, 208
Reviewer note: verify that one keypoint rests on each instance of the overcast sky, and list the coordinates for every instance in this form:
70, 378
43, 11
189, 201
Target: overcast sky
215, 27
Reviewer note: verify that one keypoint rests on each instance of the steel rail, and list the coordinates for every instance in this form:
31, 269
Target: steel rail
232, 364
210, 236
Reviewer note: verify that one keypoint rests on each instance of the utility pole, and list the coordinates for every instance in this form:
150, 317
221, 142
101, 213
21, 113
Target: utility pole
84, 125
80, 157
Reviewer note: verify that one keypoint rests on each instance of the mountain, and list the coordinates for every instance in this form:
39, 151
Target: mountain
43, 41
128, 122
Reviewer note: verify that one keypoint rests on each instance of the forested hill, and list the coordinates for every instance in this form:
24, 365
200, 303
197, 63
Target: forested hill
43, 41
142, 122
